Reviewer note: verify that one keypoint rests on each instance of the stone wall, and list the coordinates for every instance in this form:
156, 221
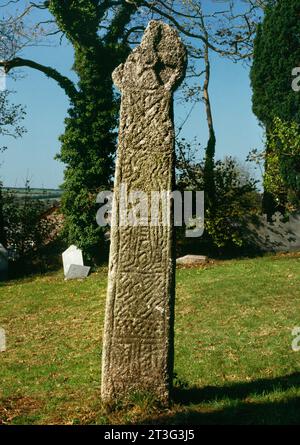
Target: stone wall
279, 235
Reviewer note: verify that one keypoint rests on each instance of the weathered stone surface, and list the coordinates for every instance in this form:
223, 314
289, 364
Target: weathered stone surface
3, 263
192, 259
72, 255
76, 272
138, 334
279, 235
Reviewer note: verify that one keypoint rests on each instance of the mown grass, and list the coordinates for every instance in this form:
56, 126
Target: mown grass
234, 362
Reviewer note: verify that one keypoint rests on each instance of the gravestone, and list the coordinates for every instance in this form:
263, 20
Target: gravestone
76, 272
72, 255
188, 260
73, 264
138, 332
2, 340
3, 263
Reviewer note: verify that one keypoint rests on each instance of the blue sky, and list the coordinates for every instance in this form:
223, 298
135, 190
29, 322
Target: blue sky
32, 156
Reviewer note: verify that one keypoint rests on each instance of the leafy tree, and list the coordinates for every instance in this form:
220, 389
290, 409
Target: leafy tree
237, 203
101, 33
232, 37
282, 155
27, 228
88, 144
209, 185
276, 53
11, 117
236, 198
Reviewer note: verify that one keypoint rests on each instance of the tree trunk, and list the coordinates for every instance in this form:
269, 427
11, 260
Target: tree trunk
209, 181
2, 231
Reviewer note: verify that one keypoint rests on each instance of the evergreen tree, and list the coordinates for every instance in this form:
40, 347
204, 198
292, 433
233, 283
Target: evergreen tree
276, 53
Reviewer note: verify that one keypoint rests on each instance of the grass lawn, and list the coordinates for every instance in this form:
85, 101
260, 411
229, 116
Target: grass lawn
234, 362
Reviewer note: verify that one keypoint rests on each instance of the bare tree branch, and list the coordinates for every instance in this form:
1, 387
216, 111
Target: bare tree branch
63, 81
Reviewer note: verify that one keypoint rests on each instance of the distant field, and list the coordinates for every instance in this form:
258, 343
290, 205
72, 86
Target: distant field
42, 194
234, 362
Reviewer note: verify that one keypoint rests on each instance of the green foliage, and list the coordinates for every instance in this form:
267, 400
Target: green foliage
276, 54
208, 171
2, 233
11, 116
89, 141
282, 177
26, 229
236, 200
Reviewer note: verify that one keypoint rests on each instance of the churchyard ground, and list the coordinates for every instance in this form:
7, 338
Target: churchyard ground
234, 361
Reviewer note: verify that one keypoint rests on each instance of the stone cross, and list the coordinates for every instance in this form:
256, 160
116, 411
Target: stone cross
139, 320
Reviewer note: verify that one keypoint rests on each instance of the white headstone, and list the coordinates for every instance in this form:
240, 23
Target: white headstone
2, 340
76, 272
72, 255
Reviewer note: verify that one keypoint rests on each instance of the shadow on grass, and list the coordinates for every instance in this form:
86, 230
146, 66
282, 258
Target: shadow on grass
202, 405
235, 391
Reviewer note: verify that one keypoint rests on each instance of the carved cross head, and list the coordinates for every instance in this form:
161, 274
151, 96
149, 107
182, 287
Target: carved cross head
158, 62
